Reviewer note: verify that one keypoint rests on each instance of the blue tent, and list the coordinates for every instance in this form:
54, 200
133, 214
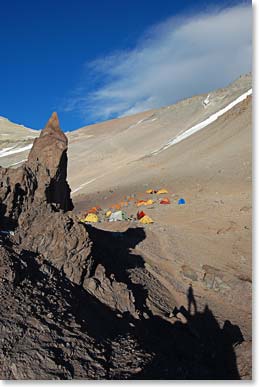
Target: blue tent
181, 201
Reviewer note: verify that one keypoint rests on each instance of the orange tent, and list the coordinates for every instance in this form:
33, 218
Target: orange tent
140, 203
93, 210
144, 202
165, 201
116, 206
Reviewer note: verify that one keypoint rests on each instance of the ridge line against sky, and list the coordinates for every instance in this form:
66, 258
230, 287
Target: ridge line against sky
175, 59
96, 60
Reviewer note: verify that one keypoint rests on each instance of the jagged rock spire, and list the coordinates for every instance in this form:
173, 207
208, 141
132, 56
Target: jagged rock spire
41, 180
52, 128
48, 157
49, 147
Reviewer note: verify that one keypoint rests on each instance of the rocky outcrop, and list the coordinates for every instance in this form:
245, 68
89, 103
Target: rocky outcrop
110, 292
40, 180
59, 238
17, 189
48, 161
53, 329
35, 200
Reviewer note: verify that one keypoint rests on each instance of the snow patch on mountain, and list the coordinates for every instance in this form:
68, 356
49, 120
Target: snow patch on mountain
13, 150
203, 124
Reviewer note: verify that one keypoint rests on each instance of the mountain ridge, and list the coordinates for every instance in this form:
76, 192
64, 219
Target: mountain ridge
111, 144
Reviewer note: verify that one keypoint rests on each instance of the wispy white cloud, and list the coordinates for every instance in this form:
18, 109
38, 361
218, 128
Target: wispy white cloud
174, 60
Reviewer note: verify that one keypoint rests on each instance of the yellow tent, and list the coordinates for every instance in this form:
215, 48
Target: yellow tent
162, 191
149, 191
145, 202
108, 214
146, 220
91, 218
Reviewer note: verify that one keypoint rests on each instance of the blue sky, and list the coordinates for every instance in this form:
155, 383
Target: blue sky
95, 60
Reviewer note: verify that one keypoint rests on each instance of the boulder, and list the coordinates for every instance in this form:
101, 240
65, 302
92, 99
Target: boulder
114, 294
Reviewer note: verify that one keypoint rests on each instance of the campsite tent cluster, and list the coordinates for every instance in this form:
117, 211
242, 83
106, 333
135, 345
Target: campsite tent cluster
116, 213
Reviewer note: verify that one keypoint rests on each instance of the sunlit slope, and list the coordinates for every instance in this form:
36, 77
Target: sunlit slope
143, 147
124, 150
15, 142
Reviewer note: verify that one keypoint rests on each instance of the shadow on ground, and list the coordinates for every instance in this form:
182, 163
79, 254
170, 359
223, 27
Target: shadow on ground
113, 251
197, 349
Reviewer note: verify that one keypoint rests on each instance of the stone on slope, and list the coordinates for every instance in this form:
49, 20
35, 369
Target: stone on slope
114, 294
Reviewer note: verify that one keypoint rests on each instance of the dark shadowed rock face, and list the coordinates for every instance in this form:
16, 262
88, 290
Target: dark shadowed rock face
17, 189
41, 180
66, 244
51, 328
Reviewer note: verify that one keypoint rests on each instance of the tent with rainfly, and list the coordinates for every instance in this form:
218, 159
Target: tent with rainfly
90, 218
165, 201
118, 216
140, 214
148, 202
93, 210
162, 191
146, 220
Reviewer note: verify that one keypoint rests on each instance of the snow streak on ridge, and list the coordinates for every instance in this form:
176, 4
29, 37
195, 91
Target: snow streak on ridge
12, 150
202, 124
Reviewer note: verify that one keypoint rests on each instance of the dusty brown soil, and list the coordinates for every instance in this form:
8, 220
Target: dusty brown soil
208, 241
169, 300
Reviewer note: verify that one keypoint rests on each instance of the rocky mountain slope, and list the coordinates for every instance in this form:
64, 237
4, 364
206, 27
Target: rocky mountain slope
15, 141
117, 147
170, 300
